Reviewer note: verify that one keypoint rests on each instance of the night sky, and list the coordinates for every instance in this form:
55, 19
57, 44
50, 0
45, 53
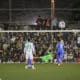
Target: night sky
26, 11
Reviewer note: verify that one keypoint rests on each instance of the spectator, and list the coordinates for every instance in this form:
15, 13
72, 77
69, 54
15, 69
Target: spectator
39, 22
62, 24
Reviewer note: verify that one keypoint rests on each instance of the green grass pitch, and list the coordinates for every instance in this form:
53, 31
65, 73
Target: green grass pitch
17, 71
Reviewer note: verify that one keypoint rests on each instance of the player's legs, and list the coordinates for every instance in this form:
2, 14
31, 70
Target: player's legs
32, 61
29, 61
60, 59
26, 62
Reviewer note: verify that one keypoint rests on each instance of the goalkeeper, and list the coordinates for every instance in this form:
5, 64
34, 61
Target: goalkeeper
48, 57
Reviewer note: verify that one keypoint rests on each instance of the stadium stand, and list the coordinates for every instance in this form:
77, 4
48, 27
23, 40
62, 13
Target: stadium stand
12, 44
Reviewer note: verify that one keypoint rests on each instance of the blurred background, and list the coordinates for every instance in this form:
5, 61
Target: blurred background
12, 45
23, 14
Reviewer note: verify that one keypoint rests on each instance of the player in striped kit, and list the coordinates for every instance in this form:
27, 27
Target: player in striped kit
29, 51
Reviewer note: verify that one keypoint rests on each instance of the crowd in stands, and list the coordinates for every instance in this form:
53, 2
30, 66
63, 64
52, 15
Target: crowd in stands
40, 23
43, 23
12, 44
48, 24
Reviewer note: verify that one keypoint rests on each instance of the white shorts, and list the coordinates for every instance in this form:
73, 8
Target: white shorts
29, 56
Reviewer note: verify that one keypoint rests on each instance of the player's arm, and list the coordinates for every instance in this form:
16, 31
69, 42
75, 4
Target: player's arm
56, 46
34, 51
24, 50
